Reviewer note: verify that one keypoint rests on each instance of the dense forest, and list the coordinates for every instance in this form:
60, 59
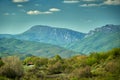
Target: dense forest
96, 66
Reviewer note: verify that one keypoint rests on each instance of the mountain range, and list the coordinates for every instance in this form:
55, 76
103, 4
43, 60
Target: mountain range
99, 39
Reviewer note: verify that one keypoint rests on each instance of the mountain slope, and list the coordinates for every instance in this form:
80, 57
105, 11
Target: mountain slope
14, 46
52, 35
100, 39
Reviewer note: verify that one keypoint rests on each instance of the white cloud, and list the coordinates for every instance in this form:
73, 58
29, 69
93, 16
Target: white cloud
19, 5
106, 2
47, 12
71, 1
37, 4
19, 1
90, 5
89, 0
111, 2
13, 13
37, 12
54, 9
6, 14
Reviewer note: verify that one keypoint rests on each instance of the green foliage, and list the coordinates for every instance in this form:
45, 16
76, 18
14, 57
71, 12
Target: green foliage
114, 53
81, 72
1, 62
4, 78
37, 61
91, 60
96, 66
12, 67
33, 74
57, 58
41, 62
55, 68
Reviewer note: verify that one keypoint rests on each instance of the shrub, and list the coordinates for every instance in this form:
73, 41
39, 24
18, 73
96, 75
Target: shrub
1, 62
81, 72
12, 68
3, 78
114, 53
112, 66
91, 60
56, 68
33, 74
41, 62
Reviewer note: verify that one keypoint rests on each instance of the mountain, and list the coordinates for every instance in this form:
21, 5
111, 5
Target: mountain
52, 35
21, 47
100, 39
6, 36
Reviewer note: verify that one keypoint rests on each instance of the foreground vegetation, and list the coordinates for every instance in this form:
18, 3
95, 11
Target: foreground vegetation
96, 66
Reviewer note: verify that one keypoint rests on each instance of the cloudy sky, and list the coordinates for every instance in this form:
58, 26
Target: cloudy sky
16, 16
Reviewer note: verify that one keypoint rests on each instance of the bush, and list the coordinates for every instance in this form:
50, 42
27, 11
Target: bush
1, 62
81, 73
91, 60
114, 53
56, 68
41, 62
33, 74
112, 67
12, 68
3, 78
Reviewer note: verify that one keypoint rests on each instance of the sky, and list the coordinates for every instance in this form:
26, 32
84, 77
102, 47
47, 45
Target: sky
17, 16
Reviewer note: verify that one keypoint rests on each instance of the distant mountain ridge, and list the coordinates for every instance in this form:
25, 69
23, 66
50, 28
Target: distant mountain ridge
100, 39
51, 35
110, 28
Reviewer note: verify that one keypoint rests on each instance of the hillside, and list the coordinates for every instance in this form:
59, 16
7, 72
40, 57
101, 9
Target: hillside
21, 47
100, 39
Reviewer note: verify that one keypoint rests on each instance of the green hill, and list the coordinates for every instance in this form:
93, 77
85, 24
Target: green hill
20, 47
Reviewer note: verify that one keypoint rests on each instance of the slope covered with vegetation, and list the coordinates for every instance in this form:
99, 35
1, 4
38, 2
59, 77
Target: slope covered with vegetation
100, 39
28, 48
96, 66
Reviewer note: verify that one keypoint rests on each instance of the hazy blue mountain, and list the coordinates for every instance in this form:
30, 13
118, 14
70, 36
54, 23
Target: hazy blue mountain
100, 39
6, 36
52, 35
21, 47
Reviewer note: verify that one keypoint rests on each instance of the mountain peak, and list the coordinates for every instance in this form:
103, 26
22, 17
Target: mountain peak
109, 28
40, 26
52, 35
